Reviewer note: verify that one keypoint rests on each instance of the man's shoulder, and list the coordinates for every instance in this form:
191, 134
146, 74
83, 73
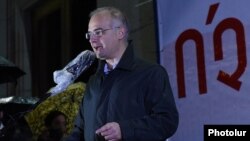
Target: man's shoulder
149, 65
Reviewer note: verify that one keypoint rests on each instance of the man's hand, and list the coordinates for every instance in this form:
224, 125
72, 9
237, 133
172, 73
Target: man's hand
110, 131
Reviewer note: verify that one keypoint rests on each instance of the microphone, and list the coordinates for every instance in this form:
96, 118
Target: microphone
63, 78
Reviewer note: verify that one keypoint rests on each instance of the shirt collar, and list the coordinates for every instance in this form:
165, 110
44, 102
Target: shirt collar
107, 69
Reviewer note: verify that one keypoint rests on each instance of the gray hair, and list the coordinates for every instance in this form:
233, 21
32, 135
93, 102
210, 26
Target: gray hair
115, 14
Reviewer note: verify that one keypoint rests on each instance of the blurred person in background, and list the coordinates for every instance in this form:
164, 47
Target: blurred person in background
55, 123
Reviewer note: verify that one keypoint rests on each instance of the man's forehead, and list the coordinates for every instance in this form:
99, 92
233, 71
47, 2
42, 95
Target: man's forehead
99, 22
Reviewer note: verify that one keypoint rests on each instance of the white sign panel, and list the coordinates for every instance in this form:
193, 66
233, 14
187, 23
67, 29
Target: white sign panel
205, 47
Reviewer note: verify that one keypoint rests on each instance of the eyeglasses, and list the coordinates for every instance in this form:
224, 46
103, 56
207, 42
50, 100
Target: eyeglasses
97, 32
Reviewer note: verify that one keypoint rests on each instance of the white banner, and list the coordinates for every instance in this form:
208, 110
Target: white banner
205, 47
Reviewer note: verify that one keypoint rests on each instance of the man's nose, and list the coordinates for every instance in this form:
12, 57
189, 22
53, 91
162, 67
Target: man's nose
93, 38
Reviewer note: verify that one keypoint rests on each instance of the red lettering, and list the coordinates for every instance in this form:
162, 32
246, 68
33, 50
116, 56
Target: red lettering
196, 36
234, 24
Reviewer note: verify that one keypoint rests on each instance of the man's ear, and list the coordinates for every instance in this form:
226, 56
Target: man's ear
121, 33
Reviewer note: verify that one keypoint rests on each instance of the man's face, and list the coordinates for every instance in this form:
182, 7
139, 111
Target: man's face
105, 45
59, 123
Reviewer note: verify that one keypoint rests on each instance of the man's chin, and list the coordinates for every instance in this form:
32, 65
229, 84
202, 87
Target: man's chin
100, 57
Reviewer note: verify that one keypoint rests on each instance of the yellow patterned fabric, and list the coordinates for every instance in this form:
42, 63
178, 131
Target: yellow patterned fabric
67, 102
